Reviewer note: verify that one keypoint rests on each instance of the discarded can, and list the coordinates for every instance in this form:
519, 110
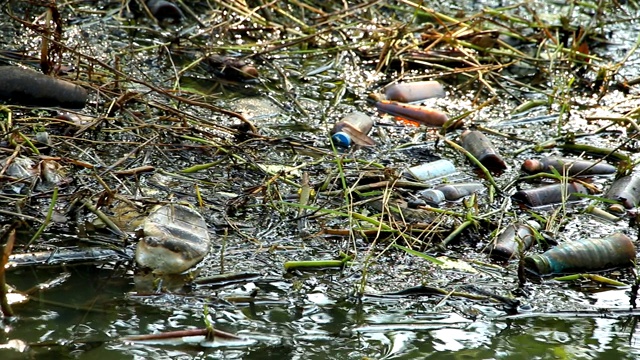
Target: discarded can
570, 167
432, 170
353, 129
616, 250
164, 10
515, 238
175, 239
449, 192
415, 113
626, 190
481, 148
414, 91
550, 194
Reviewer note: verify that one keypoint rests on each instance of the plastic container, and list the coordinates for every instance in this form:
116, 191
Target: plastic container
353, 129
570, 167
164, 10
481, 148
626, 190
550, 194
431, 170
584, 255
449, 192
415, 113
507, 245
414, 91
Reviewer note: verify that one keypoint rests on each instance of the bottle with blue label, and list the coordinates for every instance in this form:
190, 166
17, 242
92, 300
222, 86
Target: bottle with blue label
353, 129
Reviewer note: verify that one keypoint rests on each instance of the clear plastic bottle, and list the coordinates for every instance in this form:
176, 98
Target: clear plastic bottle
353, 128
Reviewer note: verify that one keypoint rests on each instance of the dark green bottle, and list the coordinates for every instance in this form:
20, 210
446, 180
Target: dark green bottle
613, 251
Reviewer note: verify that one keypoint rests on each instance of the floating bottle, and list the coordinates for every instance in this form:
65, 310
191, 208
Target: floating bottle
626, 190
481, 148
165, 10
550, 194
515, 238
570, 167
415, 113
431, 170
28, 87
450, 192
616, 250
353, 129
414, 91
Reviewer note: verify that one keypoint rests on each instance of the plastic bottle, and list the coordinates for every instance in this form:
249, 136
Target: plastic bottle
353, 128
626, 190
481, 148
431, 170
616, 250
415, 113
570, 167
508, 243
414, 91
450, 192
165, 10
550, 194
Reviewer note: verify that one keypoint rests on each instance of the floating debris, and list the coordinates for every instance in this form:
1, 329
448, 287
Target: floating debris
175, 239
28, 87
165, 11
566, 166
610, 252
414, 91
516, 238
550, 194
354, 128
419, 114
481, 148
625, 190
450, 192
431, 170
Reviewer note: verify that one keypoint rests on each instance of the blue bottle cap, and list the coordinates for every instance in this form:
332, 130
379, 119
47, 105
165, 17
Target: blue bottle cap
341, 139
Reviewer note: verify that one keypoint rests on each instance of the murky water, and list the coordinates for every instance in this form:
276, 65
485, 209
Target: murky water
348, 313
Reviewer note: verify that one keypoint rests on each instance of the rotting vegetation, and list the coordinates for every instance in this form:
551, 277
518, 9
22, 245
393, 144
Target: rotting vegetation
165, 124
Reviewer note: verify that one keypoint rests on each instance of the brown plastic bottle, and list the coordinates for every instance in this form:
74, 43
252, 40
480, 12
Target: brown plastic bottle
481, 148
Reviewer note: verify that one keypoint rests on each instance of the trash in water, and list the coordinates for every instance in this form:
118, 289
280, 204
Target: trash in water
569, 167
481, 148
353, 128
414, 91
517, 237
450, 192
550, 194
175, 239
431, 170
616, 250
